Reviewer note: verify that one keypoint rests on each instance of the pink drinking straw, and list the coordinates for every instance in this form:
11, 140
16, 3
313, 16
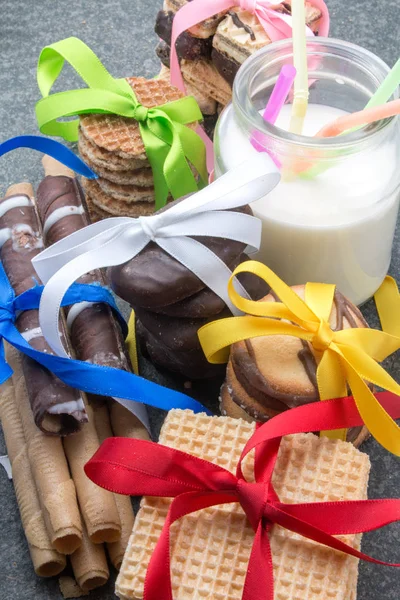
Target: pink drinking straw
276, 100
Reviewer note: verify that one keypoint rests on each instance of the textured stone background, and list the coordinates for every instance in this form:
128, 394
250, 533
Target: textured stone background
121, 33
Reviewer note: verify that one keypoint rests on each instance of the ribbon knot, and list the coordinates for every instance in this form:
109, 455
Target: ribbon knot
248, 5
140, 113
349, 357
170, 146
323, 338
147, 227
253, 498
141, 468
277, 25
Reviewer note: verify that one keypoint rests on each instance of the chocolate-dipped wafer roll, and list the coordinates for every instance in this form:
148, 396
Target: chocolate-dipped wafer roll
94, 332
47, 562
55, 488
57, 408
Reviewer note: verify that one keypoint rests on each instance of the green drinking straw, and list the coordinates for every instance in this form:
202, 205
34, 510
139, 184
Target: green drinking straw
387, 88
381, 96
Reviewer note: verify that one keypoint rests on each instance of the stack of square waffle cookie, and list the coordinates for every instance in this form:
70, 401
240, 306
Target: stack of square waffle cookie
210, 549
113, 148
211, 53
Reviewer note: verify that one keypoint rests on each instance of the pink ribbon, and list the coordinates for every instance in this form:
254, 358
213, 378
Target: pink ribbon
276, 25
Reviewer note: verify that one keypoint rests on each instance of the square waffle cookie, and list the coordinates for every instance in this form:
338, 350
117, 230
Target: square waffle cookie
210, 550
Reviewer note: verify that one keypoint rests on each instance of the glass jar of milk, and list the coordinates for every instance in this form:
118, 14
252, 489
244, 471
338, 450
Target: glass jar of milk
334, 222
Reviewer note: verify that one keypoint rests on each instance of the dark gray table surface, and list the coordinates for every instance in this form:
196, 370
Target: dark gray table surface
121, 33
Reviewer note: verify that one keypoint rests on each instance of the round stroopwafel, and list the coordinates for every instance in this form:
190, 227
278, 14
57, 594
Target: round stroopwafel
114, 208
138, 177
102, 158
121, 135
126, 193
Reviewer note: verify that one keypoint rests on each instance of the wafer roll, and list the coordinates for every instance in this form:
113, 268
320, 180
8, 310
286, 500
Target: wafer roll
125, 424
57, 409
55, 488
116, 550
95, 333
69, 588
89, 564
98, 507
47, 562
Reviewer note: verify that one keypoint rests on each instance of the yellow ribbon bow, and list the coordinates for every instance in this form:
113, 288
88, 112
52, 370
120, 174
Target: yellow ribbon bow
345, 358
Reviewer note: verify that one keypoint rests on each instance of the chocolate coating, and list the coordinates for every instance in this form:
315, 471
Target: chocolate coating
57, 192
225, 65
44, 389
209, 122
153, 279
163, 52
206, 303
95, 334
187, 46
191, 364
173, 332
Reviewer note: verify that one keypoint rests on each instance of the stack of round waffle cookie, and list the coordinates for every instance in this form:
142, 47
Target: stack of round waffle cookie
113, 147
211, 53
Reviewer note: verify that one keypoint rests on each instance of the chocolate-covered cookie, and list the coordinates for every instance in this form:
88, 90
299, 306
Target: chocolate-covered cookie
154, 279
206, 303
188, 363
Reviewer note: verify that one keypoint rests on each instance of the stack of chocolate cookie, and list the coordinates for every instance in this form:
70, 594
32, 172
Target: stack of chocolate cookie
211, 53
267, 375
172, 303
113, 147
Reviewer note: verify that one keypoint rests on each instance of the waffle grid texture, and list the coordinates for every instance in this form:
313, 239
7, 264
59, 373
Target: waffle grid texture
210, 549
122, 134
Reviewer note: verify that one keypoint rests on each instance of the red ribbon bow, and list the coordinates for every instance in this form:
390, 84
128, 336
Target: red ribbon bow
137, 467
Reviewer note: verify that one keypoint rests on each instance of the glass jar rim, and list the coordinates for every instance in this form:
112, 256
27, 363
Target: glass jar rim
320, 46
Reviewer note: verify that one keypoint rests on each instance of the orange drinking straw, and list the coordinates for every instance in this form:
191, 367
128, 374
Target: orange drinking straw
360, 118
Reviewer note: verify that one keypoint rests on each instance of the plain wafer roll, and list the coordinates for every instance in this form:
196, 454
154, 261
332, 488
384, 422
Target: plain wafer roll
49, 469
47, 562
116, 550
89, 564
125, 424
98, 507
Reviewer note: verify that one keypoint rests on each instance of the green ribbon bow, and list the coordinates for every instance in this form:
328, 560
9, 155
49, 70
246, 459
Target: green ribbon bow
169, 144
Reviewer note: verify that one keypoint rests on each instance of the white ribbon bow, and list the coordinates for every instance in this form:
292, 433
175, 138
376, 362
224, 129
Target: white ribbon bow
115, 241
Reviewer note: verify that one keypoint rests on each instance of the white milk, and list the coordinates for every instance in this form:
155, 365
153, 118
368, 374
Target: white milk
335, 228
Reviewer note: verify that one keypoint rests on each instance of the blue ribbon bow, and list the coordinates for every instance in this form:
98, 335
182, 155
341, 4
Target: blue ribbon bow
93, 379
